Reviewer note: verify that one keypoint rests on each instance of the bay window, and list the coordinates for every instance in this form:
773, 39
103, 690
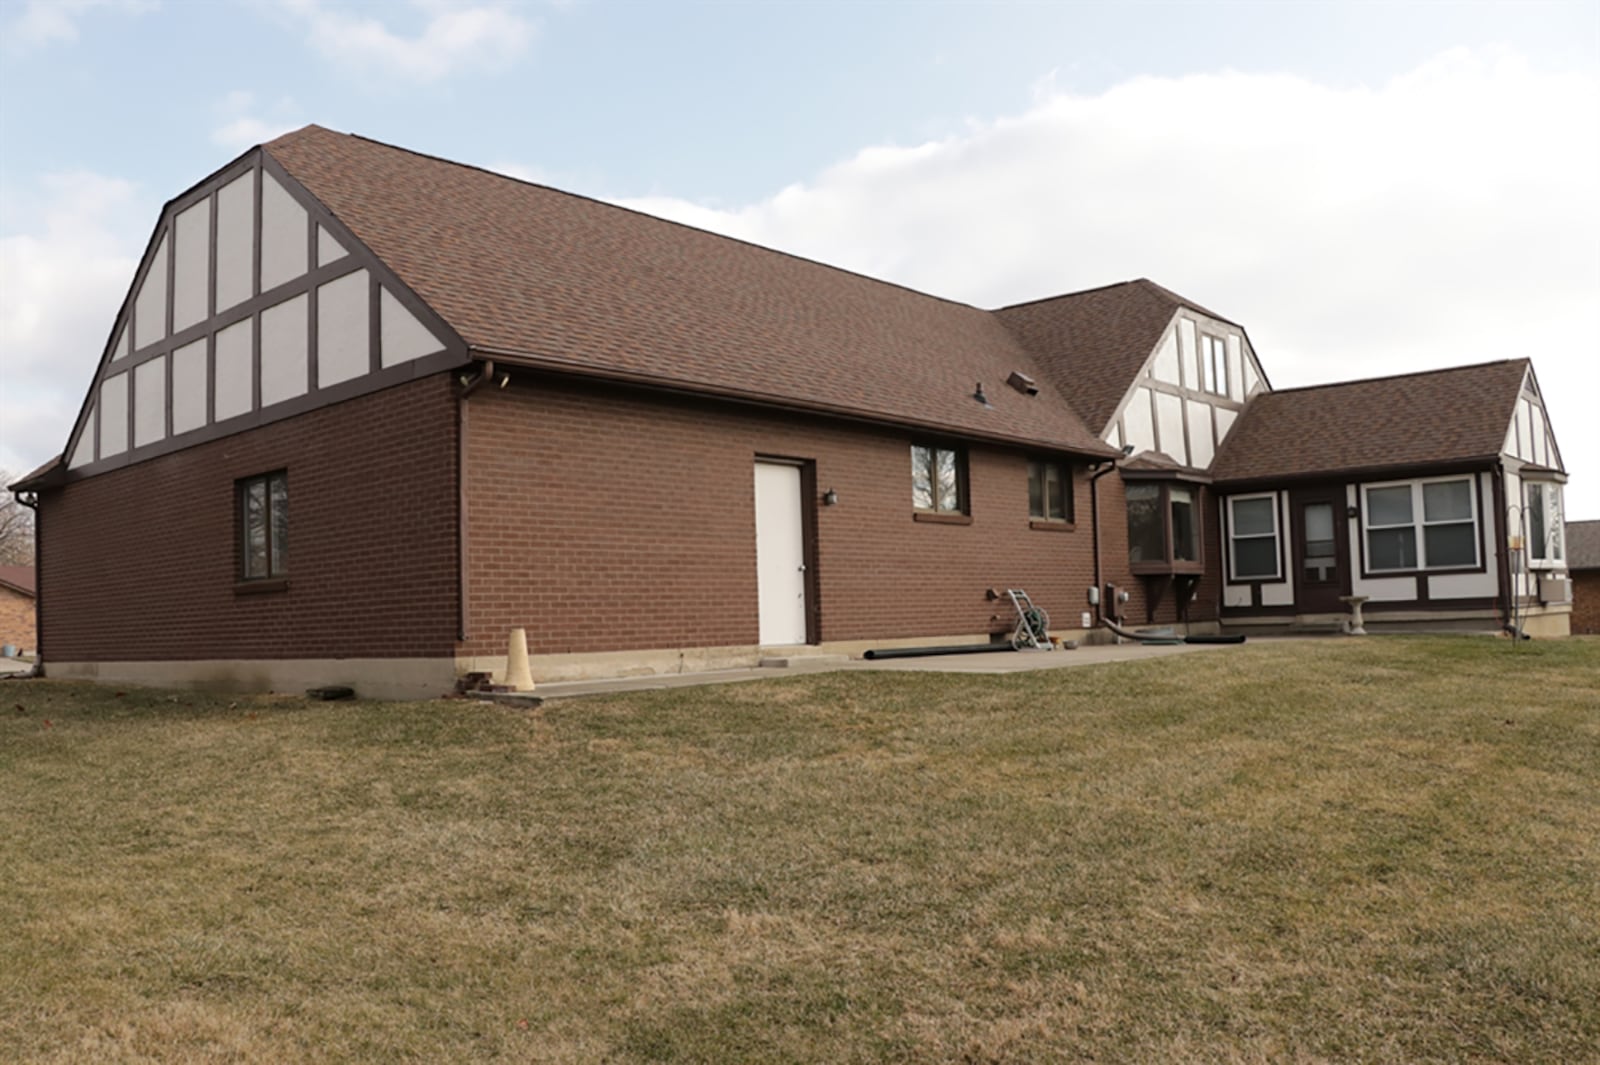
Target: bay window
1163, 527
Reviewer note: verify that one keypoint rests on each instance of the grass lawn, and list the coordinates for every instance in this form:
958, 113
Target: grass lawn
1373, 850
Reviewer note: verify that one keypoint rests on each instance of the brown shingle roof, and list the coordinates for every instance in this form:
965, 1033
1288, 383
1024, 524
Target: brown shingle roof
18, 578
1094, 343
1411, 420
1583, 545
532, 274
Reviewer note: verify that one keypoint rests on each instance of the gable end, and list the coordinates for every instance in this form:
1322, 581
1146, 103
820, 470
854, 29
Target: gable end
253, 303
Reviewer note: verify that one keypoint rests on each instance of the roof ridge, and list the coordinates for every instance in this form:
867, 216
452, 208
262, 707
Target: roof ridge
1081, 292
1398, 376
642, 214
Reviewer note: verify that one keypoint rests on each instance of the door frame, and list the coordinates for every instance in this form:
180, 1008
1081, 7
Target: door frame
1299, 498
808, 540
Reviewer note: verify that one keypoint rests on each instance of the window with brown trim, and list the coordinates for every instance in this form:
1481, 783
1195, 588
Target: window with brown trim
1049, 490
264, 524
938, 479
1163, 527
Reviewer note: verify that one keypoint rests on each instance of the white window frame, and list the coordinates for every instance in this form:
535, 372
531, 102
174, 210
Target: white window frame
1419, 524
1213, 376
1277, 541
1551, 510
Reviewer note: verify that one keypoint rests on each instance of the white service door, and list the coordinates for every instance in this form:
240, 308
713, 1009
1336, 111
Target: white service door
780, 554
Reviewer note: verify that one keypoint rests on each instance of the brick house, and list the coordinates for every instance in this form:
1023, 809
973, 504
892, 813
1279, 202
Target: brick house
17, 607
1583, 558
363, 411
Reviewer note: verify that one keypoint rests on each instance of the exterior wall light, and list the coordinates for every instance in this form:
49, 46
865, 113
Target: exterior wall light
829, 498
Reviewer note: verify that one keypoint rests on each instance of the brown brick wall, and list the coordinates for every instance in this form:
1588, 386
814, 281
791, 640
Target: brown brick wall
605, 520
1586, 601
141, 563
16, 619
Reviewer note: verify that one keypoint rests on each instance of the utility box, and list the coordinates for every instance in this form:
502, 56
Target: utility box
1555, 590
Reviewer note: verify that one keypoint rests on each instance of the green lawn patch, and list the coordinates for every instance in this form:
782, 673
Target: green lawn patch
1384, 849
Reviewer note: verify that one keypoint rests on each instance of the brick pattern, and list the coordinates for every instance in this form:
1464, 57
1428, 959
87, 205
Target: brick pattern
1586, 602
142, 563
16, 619
603, 520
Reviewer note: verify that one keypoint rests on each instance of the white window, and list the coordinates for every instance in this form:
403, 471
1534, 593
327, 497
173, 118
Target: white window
1253, 537
1545, 531
1213, 365
1421, 525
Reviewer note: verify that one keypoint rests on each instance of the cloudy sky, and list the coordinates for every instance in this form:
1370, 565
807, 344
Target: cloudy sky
1369, 188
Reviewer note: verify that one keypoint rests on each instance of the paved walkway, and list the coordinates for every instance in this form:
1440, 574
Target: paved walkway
995, 662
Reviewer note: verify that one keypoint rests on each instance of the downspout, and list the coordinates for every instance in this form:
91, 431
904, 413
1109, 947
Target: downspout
469, 385
31, 501
1096, 472
1502, 555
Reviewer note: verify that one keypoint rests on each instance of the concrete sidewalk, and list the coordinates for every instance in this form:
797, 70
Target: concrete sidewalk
995, 662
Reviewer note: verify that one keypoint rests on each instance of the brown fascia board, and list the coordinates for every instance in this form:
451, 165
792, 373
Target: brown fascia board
1173, 473
43, 477
19, 589
1395, 471
770, 401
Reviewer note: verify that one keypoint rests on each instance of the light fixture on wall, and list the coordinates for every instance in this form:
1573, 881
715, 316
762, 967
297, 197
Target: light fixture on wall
505, 379
829, 498
1352, 511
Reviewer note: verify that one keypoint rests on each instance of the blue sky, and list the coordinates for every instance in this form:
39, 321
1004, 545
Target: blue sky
1369, 188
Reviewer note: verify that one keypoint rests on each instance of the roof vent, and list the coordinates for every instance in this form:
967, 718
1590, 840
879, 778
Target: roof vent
1023, 383
977, 394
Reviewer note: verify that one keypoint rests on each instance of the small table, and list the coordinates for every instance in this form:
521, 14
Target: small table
1355, 626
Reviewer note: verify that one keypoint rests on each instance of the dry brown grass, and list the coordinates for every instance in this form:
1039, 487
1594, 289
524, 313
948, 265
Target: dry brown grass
1380, 850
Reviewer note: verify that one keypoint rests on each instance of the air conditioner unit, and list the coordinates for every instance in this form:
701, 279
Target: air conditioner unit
1555, 590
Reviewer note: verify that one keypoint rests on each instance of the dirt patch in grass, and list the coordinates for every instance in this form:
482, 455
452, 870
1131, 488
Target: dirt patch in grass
1373, 850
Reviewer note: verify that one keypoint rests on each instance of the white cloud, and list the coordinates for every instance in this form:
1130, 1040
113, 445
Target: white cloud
455, 36
243, 128
1443, 218
44, 21
60, 285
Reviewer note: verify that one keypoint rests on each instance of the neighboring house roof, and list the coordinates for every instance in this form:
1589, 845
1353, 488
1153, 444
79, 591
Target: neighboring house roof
19, 579
1435, 418
1094, 343
531, 275
1583, 545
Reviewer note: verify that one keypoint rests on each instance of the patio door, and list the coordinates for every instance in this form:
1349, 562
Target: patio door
1321, 552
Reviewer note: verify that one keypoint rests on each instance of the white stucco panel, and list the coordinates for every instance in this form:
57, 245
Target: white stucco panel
284, 357
1235, 369
1188, 353
328, 247
1201, 449
1235, 595
189, 387
1281, 594
1462, 586
150, 401
404, 337
1169, 427
1165, 365
191, 267
284, 237
83, 453
114, 415
1225, 419
234, 373
342, 329
236, 242
150, 305
1384, 589
121, 347
1138, 423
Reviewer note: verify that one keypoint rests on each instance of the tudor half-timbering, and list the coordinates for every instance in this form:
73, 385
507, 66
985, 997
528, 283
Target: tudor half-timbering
363, 411
1434, 497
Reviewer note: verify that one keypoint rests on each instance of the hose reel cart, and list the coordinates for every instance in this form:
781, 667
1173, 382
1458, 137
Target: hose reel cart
1033, 624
